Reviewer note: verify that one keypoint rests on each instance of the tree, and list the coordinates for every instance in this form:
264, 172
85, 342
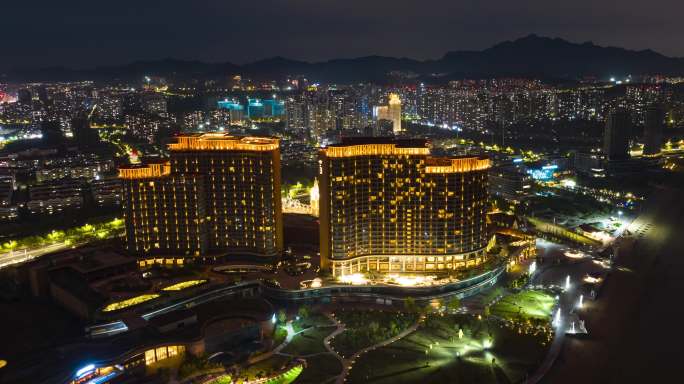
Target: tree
303, 311
282, 316
454, 303
373, 328
410, 305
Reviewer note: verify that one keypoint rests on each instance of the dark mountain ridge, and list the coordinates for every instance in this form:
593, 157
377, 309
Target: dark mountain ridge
531, 56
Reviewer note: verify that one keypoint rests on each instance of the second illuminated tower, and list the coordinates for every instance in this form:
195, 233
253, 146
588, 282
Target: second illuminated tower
386, 205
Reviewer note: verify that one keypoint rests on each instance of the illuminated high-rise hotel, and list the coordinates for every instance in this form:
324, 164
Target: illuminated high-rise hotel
386, 205
217, 195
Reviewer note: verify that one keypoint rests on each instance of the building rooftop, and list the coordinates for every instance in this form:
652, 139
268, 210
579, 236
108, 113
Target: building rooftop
459, 164
144, 171
377, 146
217, 141
398, 142
73, 282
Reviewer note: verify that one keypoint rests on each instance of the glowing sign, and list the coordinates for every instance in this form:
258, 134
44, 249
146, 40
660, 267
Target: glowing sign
543, 173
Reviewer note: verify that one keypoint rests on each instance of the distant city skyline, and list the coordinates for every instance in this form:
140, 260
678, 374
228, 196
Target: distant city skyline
81, 35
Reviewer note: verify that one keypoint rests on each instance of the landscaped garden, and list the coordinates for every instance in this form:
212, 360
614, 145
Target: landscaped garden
308, 341
457, 349
265, 368
366, 328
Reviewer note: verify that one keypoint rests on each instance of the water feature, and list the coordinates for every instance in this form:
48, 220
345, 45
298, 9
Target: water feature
557, 318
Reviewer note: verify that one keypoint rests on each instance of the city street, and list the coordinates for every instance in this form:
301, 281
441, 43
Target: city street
20, 256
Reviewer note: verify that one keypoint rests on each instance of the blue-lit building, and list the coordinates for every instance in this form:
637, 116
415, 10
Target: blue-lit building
255, 108
274, 108
231, 105
235, 109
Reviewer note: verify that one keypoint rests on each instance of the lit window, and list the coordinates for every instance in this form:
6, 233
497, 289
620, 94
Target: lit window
149, 357
161, 353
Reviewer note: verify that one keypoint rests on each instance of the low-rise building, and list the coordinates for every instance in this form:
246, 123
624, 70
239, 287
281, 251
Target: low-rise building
106, 192
509, 183
55, 197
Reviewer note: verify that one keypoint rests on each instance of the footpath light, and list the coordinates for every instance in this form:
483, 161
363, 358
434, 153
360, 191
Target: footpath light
487, 343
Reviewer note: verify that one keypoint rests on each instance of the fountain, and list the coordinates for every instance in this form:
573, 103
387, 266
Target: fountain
572, 328
567, 282
460, 333
557, 318
581, 301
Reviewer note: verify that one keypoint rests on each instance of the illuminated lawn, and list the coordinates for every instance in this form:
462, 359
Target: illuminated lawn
287, 377
266, 368
308, 342
272, 368
184, 285
451, 359
222, 380
129, 302
524, 305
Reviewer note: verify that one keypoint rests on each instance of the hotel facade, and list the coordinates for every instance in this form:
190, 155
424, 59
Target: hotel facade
217, 195
387, 205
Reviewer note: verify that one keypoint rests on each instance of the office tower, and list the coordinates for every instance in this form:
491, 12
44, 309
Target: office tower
391, 112
274, 108
616, 135
217, 195
296, 113
386, 205
394, 109
236, 110
255, 108
653, 129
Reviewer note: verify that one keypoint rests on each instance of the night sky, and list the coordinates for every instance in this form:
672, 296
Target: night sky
39, 33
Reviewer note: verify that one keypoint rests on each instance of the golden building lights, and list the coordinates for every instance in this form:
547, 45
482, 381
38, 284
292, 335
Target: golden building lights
387, 205
314, 198
147, 171
217, 195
